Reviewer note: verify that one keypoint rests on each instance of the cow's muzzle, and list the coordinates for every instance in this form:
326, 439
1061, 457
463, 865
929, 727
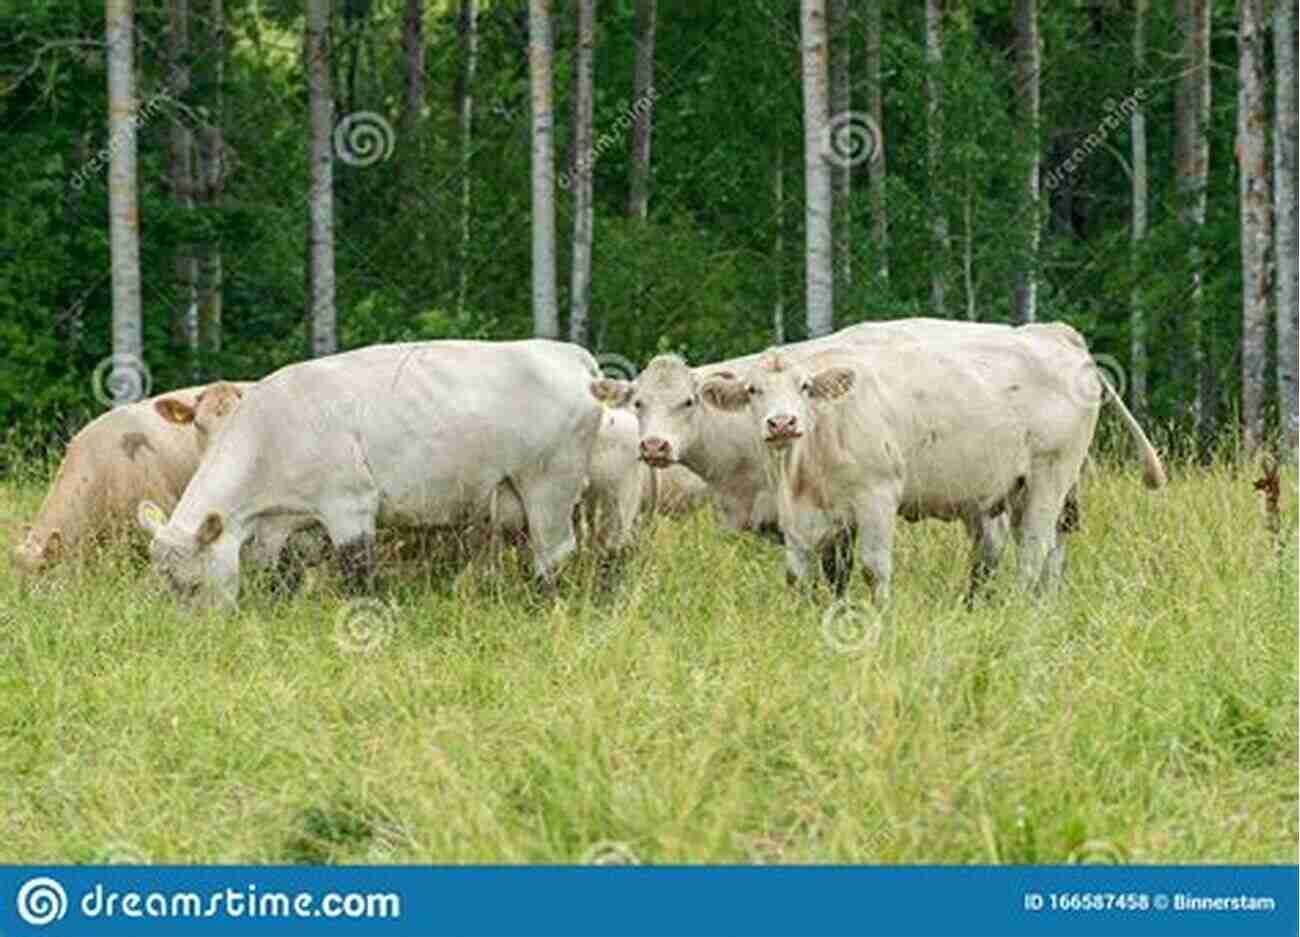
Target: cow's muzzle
656, 452
782, 429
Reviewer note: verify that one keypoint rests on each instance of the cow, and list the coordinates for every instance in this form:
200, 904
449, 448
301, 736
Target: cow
437, 434
859, 435
679, 429
125, 455
210, 409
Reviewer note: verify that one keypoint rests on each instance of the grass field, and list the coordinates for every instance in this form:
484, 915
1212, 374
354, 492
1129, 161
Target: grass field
694, 711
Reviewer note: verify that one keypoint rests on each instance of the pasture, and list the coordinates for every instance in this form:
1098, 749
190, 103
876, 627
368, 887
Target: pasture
692, 710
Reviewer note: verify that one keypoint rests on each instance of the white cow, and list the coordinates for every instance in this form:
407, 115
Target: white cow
858, 435
426, 434
721, 448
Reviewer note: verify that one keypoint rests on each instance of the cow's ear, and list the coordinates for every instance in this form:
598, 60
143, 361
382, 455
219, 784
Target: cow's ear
832, 383
210, 529
725, 394
611, 391
150, 516
173, 410
228, 397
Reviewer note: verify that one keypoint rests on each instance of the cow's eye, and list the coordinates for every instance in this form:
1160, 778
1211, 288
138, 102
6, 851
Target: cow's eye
636, 404
805, 387
752, 390
689, 402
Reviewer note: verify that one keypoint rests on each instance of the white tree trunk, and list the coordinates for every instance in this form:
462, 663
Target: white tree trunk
842, 104
643, 116
580, 285
1138, 134
126, 381
820, 297
876, 167
1256, 218
1027, 65
934, 153
465, 113
1286, 241
778, 247
185, 319
546, 319
324, 329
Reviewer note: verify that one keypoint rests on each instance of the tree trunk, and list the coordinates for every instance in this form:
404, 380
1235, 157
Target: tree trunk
413, 54
778, 247
1027, 65
1256, 218
212, 160
820, 297
324, 330
934, 155
1192, 155
1138, 134
546, 319
127, 380
1284, 232
842, 171
465, 114
580, 285
185, 326
876, 166
643, 117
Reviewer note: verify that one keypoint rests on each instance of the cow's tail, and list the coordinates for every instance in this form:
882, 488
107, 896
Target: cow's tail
1153, 472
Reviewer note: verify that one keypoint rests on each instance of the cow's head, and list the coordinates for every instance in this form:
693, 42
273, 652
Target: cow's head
211, 408
782, 394
666, 401
198, 564
36, 552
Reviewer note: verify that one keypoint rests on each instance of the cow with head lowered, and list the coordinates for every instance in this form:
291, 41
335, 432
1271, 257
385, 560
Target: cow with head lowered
435, 434
857, 436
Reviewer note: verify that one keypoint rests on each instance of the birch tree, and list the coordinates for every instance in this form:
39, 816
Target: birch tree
778, 245
126, 382
842, 172
580, 285
324, 330
1027, 65
934, 151
819, 302
876, 167
1138, 230
1256, 220
546, 320
1287, 289
465, 117
643, 116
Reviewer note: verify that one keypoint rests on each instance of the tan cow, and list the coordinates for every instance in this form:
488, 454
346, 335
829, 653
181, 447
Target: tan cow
121, 457
858, 435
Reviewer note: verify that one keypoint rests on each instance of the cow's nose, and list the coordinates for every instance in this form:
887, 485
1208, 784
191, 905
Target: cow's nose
782, 425
655, 449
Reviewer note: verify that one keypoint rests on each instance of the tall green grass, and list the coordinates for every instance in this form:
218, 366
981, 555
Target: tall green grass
692, 709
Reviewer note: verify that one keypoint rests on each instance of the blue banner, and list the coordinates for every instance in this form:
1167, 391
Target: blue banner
649, 900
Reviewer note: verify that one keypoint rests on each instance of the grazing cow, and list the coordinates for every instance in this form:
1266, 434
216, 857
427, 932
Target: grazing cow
858, 435
125, 455
421, 434
721, 448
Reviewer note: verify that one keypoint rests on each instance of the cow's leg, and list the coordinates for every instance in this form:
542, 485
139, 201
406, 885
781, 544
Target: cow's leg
1067, 523
837, 560
270, 551
548, 505
988, 539
796, 563
351, 528
1044, 500
876, 515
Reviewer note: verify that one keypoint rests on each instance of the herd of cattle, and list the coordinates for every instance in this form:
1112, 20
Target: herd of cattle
819, 443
